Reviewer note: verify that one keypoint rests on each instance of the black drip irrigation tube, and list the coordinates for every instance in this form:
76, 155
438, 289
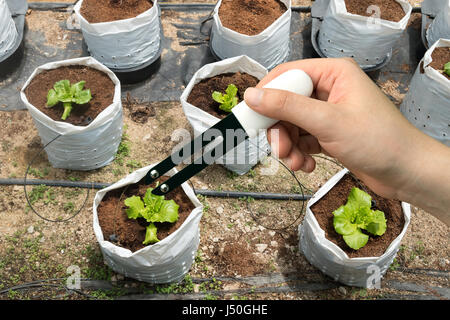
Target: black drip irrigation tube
203, 192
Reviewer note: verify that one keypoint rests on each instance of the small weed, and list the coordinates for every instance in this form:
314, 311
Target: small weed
186, 286
204, 202
96, 269
69, 207
117, 172
72, 193
41, 192
232, 175
124, 148
252, 173
38, 173
133, 164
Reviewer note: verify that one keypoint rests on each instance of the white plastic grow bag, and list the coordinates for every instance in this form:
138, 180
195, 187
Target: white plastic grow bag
426, 105
440, 27
163, 262
123, 44
270, 47
80, 147
368, 40
432, 7
246, 155
8, 31
332, 260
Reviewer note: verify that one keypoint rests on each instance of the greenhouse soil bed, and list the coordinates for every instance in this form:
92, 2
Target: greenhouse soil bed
254, 16
337, 196
105, 11
389, 9
129, 232
201, 94
101, 86
440, 57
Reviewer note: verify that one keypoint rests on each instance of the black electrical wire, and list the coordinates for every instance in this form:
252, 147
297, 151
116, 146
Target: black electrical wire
26, 194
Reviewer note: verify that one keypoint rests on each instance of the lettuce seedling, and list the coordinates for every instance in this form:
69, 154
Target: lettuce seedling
447, 68
357, 215
228, 100
67, 94
152, 208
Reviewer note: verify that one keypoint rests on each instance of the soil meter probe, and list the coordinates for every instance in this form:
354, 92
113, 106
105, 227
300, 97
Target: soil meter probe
242, 123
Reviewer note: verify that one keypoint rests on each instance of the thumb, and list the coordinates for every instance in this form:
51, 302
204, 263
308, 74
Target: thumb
309, 114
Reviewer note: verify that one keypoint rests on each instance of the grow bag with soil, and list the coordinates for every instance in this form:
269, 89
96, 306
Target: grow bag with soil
131, 43
426, 105
430, 9
339, 31
163, 262
258, 29
326, 250
8, 32
90, 136
246, 155
440, 27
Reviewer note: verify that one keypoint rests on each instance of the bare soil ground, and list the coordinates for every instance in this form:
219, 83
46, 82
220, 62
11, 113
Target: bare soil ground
239, 256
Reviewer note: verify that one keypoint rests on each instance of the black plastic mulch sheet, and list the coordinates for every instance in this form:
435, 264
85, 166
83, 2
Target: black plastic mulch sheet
185, 48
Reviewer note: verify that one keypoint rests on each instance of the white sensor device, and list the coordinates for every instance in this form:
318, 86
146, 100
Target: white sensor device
294, 80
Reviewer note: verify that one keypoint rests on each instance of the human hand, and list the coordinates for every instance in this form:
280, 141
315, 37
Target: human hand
348, 118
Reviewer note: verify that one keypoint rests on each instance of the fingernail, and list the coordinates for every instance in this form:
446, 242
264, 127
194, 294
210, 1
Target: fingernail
253, 96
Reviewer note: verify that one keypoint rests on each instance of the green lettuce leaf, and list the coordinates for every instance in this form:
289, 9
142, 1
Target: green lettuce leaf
357, 215
447, 68
356, 240
358, 199
52, 98
342, 221
151, 234
63, 91
67, 94
153, 209
168, 212
135, 207
228, 100
377, 226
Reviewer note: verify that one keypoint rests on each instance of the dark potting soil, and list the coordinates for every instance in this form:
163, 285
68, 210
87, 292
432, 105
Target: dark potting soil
95, 11
250, 17
113, 218
389, 9
440, 57
201, 94
337, 196
101, 86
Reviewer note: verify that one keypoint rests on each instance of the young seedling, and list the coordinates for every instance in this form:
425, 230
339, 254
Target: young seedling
228, 100
357, 215
447, 68
67, 94
153, 209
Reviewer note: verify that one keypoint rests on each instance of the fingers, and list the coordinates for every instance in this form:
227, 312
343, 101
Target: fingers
297, 160
310, 114
293, 147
